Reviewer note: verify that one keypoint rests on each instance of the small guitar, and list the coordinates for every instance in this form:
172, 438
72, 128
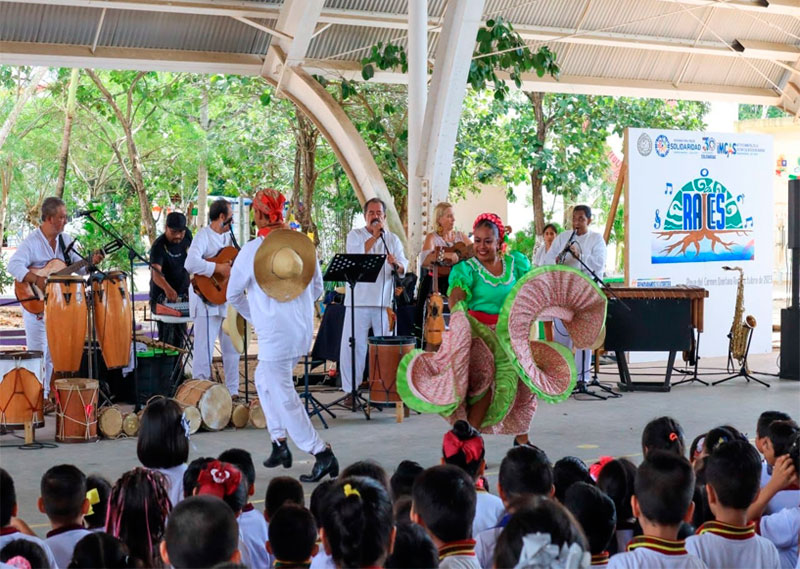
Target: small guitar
214, 289
434, 314
31, 297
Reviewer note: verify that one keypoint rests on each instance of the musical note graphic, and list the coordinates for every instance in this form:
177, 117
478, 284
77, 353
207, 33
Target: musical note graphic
748, 222
740, 198
669, 189
657, 224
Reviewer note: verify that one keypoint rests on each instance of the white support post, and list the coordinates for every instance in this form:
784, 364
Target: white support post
417, 96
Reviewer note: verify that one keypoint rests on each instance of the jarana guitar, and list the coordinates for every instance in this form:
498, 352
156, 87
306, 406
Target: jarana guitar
214, 289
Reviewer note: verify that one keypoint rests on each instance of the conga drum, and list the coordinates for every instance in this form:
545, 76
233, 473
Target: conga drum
65, 321
211, 398
385, 353
21, 393
112, 317
257, 417
109, 422
76, 411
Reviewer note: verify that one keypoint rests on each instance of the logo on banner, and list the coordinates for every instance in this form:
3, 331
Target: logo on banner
644, 144
662, 145
708, 149
704, 222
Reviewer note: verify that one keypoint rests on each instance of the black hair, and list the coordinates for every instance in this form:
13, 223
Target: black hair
292, 534
444, 498
664, 433
375, 200
97, 519
63, 490
403, 478
218, 207
525, 470
794, 452
734, 472
719, 435
28, 549
413, 549
402, 509
782, 435
463, 431
369, 469
202, 531
568, 471
357, 519
616, 479
595, 512
317, 500
585, 209
282, 490
242, 460
550, 226
192, 472
766, 418
695, 448
162, 442
539, 515
664, 487
8, 497
97, 550
490, 225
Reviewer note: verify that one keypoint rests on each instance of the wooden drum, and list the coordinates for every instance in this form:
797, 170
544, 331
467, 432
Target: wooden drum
240, 415
385, 353
21, 393
109, 422
65, 321
257, 417
112, 316
130, 424
211, 398
76, 413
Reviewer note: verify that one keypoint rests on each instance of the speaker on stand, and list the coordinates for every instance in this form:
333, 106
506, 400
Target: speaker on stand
790, 317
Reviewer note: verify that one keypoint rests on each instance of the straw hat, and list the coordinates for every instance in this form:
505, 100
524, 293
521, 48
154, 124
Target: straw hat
234, 325
284, 264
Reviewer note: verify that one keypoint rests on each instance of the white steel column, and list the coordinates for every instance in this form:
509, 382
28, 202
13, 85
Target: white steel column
417, 96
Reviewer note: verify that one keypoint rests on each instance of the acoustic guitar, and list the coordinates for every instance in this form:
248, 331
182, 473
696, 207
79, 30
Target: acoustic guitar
434, 313
214, 289
31, 297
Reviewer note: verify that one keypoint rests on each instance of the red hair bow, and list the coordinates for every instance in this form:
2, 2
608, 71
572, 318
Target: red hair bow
270, 203
494, 218
219, 479
472, 448
594, 470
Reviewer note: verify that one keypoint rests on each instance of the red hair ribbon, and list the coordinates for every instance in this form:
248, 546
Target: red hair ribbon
472, 448
594, 470
219, 479
673, 437
495, 219
270, 203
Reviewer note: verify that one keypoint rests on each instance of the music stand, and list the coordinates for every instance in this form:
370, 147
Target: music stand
353, 269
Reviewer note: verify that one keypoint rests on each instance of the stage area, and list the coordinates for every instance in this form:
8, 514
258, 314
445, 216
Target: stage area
583, 428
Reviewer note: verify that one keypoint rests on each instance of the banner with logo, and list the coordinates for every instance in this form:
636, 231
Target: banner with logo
697, 202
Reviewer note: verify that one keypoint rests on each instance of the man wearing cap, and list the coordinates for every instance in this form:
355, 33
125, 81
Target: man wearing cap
169, 279
208, 318
279, 272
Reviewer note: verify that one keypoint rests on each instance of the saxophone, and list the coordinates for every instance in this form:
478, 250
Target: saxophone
741, 327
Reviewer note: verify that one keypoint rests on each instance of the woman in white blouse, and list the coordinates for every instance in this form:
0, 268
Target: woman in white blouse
548, 236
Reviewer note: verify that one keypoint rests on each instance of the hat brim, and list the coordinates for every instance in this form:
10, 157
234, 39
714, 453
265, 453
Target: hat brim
284, 290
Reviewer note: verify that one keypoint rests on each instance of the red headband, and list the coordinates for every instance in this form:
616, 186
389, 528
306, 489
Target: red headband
472, 448
495, 219
219, 479
270, 203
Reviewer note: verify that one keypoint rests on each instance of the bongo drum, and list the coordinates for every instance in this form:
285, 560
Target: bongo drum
65, 321
212, 399
76, 412
21, 393
385, 353
240, 415
130, 424
112, 316
109, 422
257, 417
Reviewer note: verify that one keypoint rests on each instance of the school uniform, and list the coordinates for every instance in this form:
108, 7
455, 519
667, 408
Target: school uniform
458, 555
174, 476
782, 499
783, 529
9, 534
254, 532
322, 560
489, 510
600, 560
486, 541
62, 542
722, 545
646, 552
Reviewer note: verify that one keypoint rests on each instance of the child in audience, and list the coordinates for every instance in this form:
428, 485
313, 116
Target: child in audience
8, 510
192, 472
567, 472
357, 527
541, 533
137, 513
616, 480
282, 490
252, 525
292, 537
322, 560
444, 504
202, 532
732, 475
403, 478
664, 433
163, 443
776, 494
24, 554
463, 447
413, 549
401, 510
95, 519
369, 469
597, 516
63, 500
662, 499
783, 527
99, 550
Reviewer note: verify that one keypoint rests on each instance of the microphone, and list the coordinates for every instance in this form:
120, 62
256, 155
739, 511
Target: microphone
563, 254
84, 212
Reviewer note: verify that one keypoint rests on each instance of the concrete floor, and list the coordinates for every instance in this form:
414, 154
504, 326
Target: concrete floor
586, 429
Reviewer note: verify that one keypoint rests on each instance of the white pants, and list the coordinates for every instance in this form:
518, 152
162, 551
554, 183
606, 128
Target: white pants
207, 329
366, 317
583, 358
36, 339
282, 405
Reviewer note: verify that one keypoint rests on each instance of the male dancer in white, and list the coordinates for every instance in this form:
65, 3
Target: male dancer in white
208, 317
284, 331
567, 248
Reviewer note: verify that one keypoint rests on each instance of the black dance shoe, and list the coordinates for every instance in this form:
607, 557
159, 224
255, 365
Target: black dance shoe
280, 455
326, 464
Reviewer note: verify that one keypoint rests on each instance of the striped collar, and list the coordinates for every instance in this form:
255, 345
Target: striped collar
464, 547
8, 530
728, 531
64, 529
600, 558
291, 564
663, 546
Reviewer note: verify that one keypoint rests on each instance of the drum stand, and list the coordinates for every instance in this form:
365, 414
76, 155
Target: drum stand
91, 356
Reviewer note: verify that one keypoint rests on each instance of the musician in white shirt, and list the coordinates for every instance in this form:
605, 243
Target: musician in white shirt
567, 249
371, 299
208, 317
48, 242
